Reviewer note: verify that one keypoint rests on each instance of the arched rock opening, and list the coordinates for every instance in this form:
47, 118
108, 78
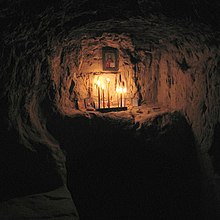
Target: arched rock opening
123, 167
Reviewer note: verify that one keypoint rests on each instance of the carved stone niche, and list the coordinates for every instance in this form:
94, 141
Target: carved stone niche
98, 74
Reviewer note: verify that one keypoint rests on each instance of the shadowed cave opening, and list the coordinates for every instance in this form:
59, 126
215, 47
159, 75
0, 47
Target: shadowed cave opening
116, 173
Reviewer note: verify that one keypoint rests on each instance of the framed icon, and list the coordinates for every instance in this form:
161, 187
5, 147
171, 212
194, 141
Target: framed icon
110, 59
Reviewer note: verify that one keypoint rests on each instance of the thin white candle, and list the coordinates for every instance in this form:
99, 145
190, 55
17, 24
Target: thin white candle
120, 91
103, 96
108, 84
98, 84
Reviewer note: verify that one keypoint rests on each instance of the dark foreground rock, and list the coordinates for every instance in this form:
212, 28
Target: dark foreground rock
53, 205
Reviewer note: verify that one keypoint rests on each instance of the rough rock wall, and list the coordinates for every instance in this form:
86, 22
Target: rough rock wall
189, 81
25, 82
184, 75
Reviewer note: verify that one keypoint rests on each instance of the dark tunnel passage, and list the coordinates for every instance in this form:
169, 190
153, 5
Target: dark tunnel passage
119, 174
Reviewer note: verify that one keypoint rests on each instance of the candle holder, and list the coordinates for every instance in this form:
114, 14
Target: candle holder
113, 109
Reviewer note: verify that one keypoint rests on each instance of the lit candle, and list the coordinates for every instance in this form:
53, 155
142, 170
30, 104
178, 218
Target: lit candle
98, 84
103, 96
108, 84
120, 90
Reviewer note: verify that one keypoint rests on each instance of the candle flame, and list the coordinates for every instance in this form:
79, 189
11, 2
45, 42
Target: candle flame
98, 83
103, 86
108, 80
124, 90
